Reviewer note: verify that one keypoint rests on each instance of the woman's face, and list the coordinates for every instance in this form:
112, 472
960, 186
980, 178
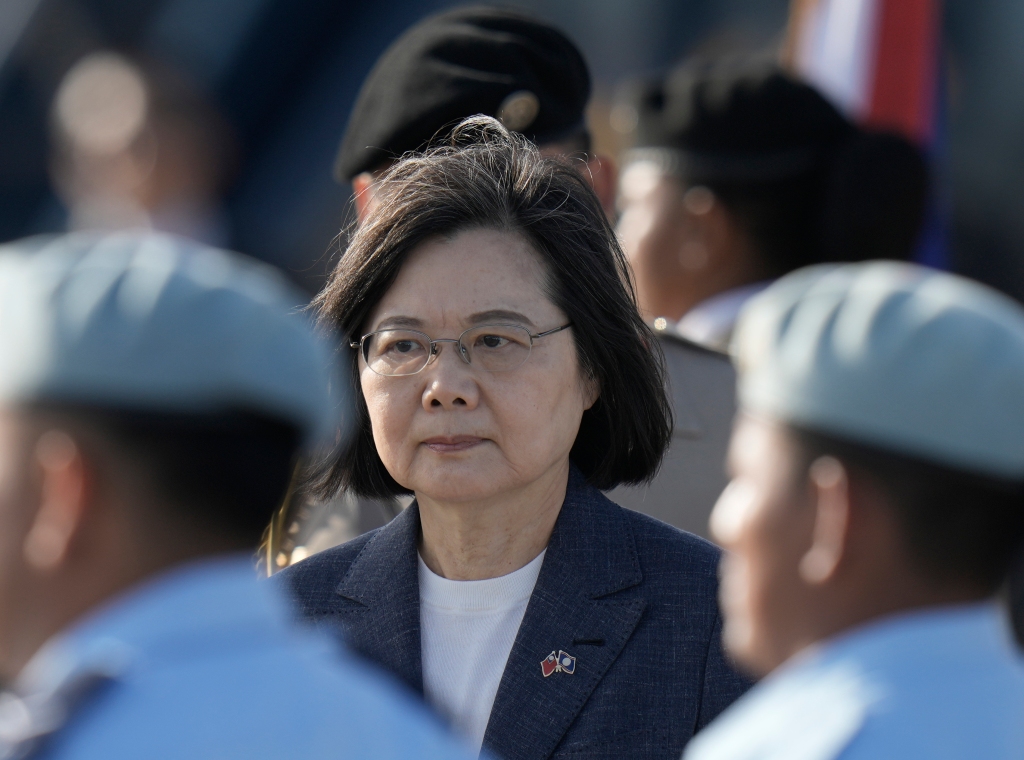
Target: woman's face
454, 432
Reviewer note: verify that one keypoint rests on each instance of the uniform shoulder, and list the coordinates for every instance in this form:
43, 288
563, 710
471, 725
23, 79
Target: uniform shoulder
291, 695
673, 341
311, 583
350, 700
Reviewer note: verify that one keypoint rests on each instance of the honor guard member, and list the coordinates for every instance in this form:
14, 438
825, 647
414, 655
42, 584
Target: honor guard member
464, 62
154, 396
449, 66
739, 174
876, 504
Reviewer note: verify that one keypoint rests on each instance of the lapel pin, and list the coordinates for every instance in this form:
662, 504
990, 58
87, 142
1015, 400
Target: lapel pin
558, 662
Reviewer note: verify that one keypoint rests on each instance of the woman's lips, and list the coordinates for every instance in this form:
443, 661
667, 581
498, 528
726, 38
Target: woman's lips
448, 444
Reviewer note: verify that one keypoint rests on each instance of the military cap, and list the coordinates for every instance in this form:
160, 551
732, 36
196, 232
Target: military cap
892, 355
734, 119
149, 322
468, 61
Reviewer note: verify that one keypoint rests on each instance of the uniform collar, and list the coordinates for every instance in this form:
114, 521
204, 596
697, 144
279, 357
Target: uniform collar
711, 322
210, 601
813, 705
180, 613
954, 632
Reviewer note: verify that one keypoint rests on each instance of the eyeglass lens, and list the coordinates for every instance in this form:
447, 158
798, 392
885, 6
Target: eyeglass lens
493, 348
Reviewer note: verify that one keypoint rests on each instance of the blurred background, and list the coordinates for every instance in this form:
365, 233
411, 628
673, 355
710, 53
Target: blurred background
220, 119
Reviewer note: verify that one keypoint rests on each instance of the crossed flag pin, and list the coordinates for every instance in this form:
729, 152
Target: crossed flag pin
558, 662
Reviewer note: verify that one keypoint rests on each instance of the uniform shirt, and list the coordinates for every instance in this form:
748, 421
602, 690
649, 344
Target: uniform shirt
204, 662
467, 629
942, 683
702, 391
711, 322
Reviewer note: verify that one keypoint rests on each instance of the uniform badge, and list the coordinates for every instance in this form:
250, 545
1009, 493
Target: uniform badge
558, 662
519, 110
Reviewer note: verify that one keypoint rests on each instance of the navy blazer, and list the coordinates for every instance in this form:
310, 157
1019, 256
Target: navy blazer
633, 599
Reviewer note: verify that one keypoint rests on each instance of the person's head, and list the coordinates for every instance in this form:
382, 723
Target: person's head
154, 399
741, 173
486, 233
877, 463
93, 499
134, 145
465, 62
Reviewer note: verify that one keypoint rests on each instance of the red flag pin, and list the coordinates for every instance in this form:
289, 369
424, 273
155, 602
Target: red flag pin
558, 662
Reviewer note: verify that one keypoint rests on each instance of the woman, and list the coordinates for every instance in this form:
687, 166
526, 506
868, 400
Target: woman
506, 379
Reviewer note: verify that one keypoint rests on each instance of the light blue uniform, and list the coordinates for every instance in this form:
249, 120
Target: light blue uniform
943, 683
204, 662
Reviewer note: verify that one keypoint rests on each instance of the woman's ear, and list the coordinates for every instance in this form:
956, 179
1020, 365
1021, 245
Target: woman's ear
591, 390
830, 498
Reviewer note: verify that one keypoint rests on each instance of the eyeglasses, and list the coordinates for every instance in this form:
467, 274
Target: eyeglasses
492, 348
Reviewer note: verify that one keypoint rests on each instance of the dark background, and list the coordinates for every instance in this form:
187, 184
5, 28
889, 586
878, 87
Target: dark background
284, 74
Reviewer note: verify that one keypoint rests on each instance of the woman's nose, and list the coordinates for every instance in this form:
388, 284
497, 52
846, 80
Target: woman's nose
450, 381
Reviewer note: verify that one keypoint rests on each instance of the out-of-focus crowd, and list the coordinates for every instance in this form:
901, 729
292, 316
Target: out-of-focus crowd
680, 452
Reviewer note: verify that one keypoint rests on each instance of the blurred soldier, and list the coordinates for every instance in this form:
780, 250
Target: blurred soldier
741, 174
135, 146
154, 396
462, 62
468, 61
876, 504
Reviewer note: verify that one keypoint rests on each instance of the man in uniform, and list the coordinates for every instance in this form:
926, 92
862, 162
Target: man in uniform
467, 61
876, 504
740, 174
154, 396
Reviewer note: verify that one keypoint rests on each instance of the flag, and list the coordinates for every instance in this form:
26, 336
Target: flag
558, 662
878, 61
549, 664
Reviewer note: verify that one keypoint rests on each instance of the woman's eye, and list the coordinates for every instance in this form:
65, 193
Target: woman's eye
492, 341
401, 347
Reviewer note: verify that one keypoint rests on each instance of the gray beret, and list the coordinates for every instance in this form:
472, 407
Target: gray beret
892, 355
150, 322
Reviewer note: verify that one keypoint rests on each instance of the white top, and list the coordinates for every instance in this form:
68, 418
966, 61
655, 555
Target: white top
942, 684
467, 629
204, 661
711, 322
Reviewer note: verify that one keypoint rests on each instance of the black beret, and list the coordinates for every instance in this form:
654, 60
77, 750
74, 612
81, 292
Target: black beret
736, 119
468, 61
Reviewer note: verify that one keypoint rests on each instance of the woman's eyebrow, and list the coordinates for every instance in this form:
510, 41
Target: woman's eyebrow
399, 321
499, 315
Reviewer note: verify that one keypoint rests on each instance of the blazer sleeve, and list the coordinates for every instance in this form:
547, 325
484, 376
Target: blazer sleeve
723, 685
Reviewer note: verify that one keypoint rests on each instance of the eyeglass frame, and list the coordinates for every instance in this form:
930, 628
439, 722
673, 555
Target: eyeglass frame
435, 351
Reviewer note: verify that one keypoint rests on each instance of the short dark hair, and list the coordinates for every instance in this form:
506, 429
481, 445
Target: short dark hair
486, 177
958, 526
799, 179
223, 472
866, 198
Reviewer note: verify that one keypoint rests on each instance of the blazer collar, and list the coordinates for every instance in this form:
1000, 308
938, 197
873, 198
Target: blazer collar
383, 582
575, 608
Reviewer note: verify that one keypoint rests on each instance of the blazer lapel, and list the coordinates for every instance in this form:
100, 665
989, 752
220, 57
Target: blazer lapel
591, 556
380, 599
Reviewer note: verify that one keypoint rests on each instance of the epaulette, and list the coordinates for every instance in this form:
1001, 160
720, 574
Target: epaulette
667, 331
